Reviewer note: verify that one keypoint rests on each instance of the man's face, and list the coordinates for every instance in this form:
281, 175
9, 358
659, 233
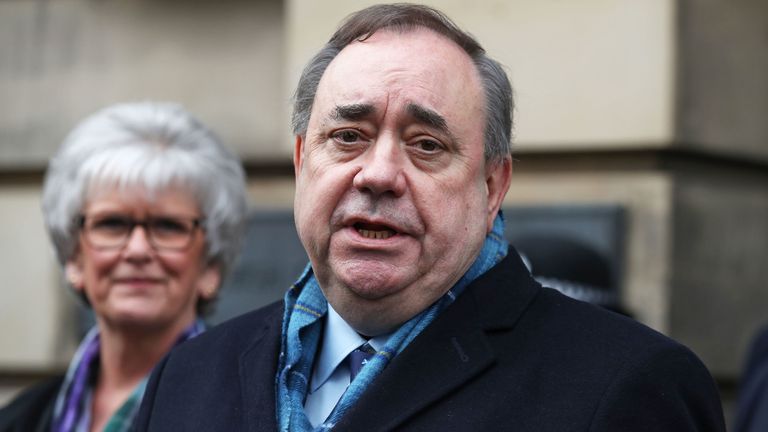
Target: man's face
393, 197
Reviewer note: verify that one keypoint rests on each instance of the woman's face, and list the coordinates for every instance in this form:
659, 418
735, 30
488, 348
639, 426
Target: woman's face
140, 283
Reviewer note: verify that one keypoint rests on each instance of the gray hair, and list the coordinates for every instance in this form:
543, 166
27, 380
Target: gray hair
155, 146
403, 17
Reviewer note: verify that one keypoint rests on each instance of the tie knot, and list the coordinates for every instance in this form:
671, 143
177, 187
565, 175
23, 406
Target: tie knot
358, 358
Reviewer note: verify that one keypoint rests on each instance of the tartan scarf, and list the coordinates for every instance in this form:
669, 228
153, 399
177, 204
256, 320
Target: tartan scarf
72, 411
305, 306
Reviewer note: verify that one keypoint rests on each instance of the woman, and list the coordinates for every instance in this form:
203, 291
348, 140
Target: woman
145, 209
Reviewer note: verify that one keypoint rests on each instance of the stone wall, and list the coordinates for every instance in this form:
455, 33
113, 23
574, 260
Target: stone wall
658, 106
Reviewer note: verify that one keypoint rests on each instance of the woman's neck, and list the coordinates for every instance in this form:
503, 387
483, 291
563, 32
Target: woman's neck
126, 356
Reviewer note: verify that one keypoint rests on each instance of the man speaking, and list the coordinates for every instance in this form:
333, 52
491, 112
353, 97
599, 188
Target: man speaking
414, 313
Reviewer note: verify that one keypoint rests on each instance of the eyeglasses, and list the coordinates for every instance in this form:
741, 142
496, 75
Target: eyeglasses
113, 231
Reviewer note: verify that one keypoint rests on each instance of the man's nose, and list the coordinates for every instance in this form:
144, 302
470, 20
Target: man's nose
138, 246
382, 170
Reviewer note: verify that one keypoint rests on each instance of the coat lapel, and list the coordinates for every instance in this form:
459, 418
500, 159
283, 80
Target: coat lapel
258, 369
453, 350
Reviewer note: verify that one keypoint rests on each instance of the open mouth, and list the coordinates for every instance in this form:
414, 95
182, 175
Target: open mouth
374, 231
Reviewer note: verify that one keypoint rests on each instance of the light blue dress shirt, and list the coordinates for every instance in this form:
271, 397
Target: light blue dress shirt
330, 377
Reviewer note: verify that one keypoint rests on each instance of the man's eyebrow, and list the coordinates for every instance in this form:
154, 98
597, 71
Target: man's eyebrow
352, 112
428, 117
431, 118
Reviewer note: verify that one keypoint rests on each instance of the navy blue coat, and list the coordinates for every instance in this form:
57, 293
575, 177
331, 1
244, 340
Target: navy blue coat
752, 409
507, 355
32, 409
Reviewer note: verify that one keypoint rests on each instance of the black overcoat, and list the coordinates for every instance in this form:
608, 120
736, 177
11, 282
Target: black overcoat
506, 355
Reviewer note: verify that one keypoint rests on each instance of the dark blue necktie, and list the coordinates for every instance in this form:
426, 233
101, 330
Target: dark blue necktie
358, 358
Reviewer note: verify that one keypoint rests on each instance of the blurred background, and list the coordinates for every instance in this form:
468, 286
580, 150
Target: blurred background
641, 137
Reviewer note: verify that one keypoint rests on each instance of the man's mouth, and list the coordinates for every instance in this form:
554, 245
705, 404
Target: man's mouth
374, 231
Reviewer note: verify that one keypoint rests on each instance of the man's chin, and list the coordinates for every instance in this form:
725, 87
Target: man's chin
372, 287
372, 282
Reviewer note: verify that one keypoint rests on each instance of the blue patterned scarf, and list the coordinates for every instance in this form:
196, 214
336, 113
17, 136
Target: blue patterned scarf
305, 305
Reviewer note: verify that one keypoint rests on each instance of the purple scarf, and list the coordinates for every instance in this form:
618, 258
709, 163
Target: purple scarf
72, 411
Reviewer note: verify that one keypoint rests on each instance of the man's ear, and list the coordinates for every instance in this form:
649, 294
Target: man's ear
209, 281
298, 155
73, 271
497, 180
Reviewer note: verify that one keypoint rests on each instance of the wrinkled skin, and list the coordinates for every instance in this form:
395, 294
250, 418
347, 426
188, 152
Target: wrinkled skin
394, 197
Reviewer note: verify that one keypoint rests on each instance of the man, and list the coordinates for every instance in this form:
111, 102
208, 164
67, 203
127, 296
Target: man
402, 160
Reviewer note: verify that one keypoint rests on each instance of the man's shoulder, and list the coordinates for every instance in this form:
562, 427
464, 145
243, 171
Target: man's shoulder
263, 316
234, 334
632, 364
617, 351
211, 380
510, 298
593, 326
589, 358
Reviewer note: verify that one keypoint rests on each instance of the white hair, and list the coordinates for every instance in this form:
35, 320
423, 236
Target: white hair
155, 146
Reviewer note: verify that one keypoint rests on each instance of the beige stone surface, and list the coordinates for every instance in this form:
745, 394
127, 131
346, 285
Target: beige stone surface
271, 194
34, 307
62, 60
588, 74
723, 90
719, 297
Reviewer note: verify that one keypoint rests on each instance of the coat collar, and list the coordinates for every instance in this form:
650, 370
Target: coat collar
451, 351
503, 293
258, 369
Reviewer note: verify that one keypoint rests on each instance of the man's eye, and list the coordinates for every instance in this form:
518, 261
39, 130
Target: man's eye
428, 146
347, 136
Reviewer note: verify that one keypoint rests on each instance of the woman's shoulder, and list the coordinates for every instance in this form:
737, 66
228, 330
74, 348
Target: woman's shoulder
31, 410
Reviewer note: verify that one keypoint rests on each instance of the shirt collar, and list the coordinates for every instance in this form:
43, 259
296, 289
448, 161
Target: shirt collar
339, 339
